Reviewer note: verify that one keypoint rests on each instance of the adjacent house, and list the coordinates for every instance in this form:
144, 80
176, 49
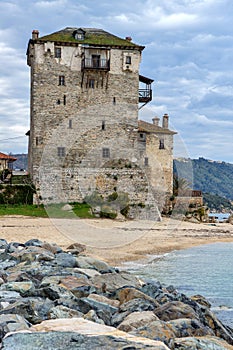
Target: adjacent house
6, 161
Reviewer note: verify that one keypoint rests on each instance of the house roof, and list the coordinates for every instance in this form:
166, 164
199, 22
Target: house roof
7, 157
93, 36
152, 128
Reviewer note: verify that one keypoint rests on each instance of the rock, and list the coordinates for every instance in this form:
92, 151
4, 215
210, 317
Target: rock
125, 294
65, 260
54, 292
219, 329
87, 272
103, 310
92, 316
32, 253
67, 207
103, 299
203, 343
136, 320
24, 288
61, 311
76, 248
12, 323
186, 327
201, 300
34, 242
173, 310
3, 243
112, 281
87, 262
74, 340
158, 330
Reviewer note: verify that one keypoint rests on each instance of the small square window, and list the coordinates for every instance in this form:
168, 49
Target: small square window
61, 151
61, 80
103, 124
128, 60
57, 52
106, 152
161, 144
91, 83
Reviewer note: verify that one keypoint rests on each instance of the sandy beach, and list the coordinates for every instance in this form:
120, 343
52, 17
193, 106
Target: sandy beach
116, 241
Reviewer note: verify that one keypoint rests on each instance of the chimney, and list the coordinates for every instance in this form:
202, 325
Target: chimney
155, 121
128, 38
165, 121
35, 34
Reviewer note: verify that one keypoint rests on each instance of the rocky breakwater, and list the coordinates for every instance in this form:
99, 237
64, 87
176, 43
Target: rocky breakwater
55, 299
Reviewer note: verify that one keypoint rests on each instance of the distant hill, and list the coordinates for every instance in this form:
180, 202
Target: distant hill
209, 176
21, 162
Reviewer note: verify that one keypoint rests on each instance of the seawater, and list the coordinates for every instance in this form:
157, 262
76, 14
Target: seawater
205, 270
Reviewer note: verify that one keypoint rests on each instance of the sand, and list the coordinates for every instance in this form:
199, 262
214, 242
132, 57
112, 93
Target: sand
116, 241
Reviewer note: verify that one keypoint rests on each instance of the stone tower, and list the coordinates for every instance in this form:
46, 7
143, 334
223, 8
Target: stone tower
84, 134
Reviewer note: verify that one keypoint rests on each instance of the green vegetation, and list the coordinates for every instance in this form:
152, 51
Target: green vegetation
25, 210
208, 176
94, 38
216, 202
81, 210
16, 194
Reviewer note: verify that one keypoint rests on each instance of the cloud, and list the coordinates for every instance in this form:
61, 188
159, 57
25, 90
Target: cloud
189, 50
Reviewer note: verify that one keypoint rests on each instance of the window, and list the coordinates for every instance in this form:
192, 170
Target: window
91, 83
103, 124
106, 152
38, 140
70, 123
161, 144
57, 52
61, 151
146, 161
61, 80
128, 60
114, 100
95, 61
64, 100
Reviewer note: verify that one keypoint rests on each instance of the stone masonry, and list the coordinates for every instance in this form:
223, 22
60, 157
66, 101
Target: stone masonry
84, 130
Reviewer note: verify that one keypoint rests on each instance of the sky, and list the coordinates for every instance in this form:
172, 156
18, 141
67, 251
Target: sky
188, 52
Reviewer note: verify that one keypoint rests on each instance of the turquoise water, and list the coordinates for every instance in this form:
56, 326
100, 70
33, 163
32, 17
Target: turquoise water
205, 270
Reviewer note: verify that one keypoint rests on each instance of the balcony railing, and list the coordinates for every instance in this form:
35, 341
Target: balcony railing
145, 95
99, 64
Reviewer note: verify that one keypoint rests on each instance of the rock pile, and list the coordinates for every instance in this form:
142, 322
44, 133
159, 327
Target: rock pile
55, 299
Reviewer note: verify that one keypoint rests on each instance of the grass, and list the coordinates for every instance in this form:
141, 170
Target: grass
81, 210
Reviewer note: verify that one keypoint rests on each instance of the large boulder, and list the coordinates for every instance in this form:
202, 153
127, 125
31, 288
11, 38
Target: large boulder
175, 309
201, 343
136, 320
109, 282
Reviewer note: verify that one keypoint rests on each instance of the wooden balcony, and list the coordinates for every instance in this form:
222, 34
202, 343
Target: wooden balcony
145, 95
96, 64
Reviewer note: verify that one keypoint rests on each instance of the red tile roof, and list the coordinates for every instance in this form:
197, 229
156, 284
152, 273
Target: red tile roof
7, 157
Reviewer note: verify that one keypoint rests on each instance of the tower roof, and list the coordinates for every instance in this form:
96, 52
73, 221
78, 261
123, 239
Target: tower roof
91, 36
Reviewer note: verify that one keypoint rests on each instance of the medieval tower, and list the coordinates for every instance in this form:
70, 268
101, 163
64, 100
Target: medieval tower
84, 135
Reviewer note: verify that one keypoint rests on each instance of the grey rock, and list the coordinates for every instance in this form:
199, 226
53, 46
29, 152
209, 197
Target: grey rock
203, 343
74, 341
12, 323
111, 281
65, 260
87, 262
174, 310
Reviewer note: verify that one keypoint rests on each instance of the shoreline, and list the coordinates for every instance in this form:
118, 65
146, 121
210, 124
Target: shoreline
113, 241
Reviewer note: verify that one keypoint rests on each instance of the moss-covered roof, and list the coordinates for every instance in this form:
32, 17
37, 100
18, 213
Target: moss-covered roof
93, 36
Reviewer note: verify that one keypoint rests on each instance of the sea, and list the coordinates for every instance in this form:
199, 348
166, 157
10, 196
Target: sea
206, 270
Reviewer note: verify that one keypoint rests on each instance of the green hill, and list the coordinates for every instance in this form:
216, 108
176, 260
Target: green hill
209, 176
